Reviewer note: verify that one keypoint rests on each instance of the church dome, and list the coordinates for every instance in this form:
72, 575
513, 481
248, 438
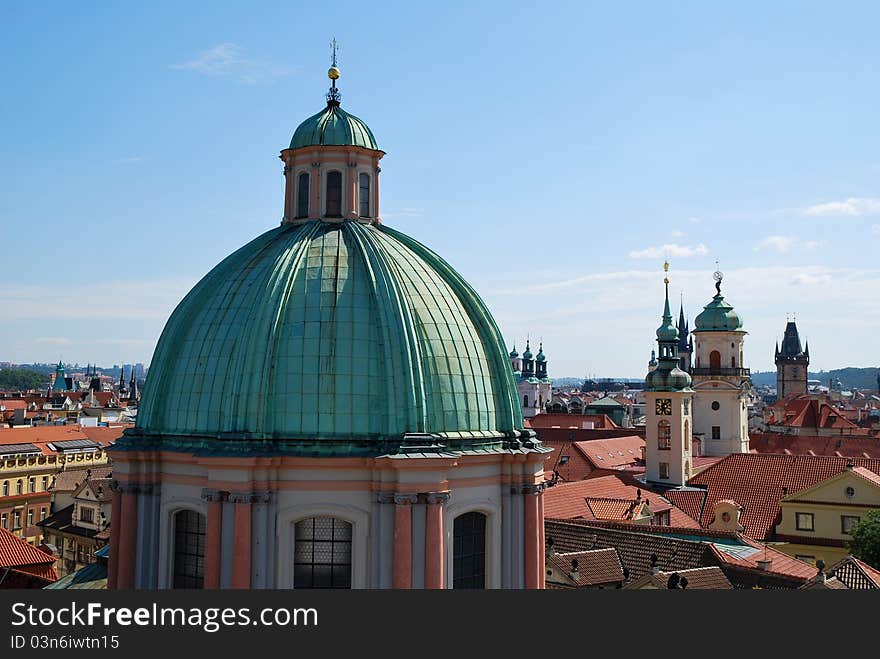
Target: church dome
718, 316
330, 338
333, 126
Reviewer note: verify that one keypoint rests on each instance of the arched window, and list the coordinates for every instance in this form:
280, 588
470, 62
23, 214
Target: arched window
302, 195
732, 361
664, 434
322, 553
189, 549
469, 551
334, 194
364, 195
5, 488
526, 400
687, 435
18, 485
714, 359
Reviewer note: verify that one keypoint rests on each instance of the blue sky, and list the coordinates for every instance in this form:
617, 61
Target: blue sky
554, 153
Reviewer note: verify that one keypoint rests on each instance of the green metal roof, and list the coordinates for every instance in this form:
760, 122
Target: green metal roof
333, 126
335, 337
718, 316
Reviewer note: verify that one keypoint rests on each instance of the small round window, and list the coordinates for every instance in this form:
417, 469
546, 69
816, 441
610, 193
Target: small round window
716, 405
850, 492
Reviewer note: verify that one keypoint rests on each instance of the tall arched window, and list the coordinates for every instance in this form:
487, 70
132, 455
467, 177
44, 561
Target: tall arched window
469, 551
714, 359
526, 400
664, 434
364, 195
687, 435
189, 549
732, 361
322, 553
18, 486
334, 194
302, 195
5, 488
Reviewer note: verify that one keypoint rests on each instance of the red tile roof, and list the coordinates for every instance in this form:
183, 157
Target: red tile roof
780, 563
847, 446
757, 482
596, 566
570, 500
690, 501
17, 554
618, 509
698, 578
43, 435
810, 411
571, 421
576, 460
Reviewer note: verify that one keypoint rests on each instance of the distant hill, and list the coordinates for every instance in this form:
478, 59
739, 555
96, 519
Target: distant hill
21, 379
851, 377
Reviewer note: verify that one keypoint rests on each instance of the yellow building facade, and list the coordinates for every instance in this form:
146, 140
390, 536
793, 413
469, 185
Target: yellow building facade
815, 522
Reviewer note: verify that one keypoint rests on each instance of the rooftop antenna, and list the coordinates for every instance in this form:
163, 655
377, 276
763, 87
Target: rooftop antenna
333, 96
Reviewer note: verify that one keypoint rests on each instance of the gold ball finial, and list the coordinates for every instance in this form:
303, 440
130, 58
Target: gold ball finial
666, 269
333, 73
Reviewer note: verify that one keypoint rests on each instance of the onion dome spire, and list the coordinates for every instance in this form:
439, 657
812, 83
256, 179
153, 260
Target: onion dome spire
667, 376
513, 353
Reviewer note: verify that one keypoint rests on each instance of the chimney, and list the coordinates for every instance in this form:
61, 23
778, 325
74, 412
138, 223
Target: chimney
765, 564
574, 574
654, 568
850, 465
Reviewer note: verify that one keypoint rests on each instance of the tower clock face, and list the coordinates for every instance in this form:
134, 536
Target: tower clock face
663, 406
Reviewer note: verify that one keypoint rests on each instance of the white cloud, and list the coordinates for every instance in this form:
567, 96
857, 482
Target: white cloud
809, 279
672, 250
405, 212
53, 341
228, 60
786, 243
142, 300
678, 234
853, 207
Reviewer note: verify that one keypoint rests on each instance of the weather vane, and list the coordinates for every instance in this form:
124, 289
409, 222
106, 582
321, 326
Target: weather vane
333, 96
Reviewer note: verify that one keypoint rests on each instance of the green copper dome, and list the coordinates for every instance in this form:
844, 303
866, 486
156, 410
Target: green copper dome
668, 379
330, 339
333, 126
718, 316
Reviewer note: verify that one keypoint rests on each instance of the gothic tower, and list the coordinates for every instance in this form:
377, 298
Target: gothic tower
685, 344
668, 396
791, 364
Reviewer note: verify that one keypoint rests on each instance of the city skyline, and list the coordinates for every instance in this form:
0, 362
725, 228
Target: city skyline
757, 152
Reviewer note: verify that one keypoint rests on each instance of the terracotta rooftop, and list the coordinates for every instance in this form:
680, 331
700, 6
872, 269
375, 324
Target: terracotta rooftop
41, 436
572, 500
757, 482
550, 420
18, 555
698, 578
846, 446
70, 479
597, 566
855, 574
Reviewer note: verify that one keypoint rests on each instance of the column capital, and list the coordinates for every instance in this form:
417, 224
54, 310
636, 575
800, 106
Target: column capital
435, 498
132, 488
405, 499
533, 488
214, 496
249, 497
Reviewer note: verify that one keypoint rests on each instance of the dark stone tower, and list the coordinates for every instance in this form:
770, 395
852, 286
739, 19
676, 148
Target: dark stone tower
791, 364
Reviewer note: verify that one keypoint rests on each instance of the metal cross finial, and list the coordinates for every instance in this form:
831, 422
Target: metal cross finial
333, 96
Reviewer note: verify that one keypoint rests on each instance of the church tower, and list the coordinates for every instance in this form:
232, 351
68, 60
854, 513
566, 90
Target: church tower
668, 397
721, 384
791, 364
685, 344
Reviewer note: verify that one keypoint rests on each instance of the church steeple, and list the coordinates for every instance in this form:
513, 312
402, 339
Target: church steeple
667, 376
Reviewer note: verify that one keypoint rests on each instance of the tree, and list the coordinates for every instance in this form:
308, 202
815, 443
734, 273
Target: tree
865, 543
21, 379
